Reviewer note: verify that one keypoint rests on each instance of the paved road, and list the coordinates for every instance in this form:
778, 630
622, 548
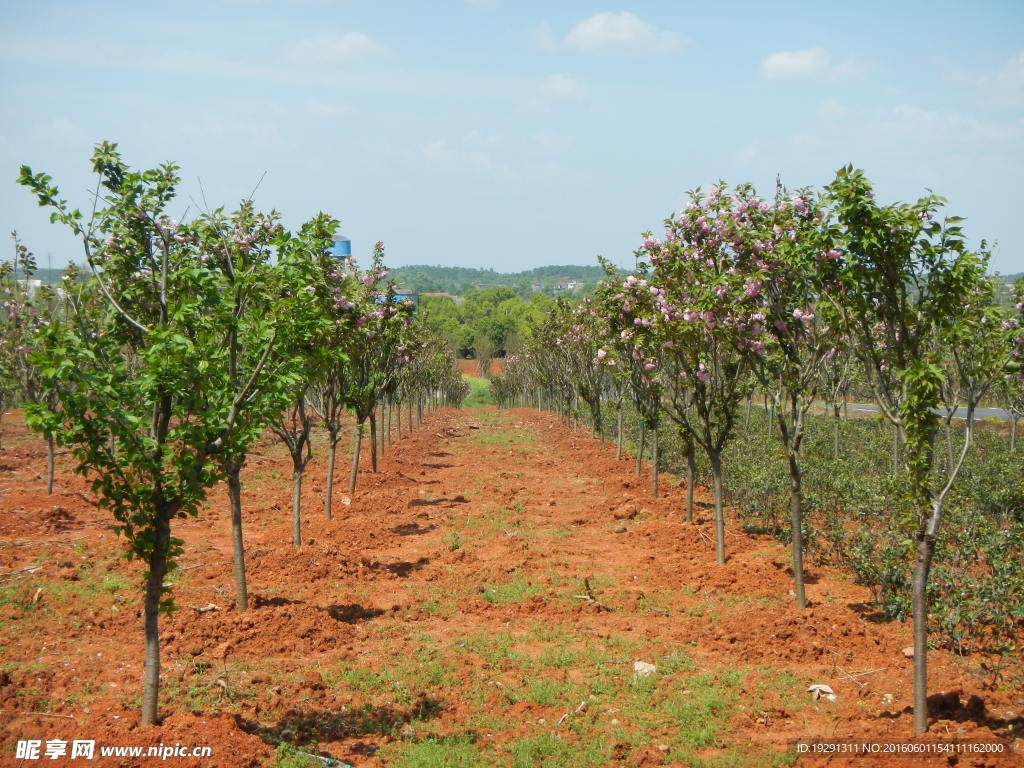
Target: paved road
961, 413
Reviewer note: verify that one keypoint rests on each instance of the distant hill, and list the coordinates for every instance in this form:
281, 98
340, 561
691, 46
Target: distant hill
564, 279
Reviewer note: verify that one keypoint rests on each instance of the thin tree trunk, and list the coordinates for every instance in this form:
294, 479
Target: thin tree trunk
332, 450
716, 479
51, 460
391, 415
355, 458
796, 529
746, 415
373, 441
835, 446
895, 450
691, 474
410, 417
640, 449
398, 421
157, 562
419, 409
1013, 434
919, 602
949, 446
618, 435
237, 542
297, 507
654, 462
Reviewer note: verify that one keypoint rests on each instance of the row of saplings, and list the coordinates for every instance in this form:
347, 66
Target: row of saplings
163, 365
790, 295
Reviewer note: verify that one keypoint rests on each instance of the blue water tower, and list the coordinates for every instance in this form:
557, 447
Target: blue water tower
341, 248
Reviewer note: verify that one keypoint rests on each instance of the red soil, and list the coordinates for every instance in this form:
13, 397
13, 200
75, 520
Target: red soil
329, 602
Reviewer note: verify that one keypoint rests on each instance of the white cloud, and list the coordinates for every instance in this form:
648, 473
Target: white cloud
831, 109
473, 153
795, 65
328, 50
561, 88
620, 33
1001, 87
922, 125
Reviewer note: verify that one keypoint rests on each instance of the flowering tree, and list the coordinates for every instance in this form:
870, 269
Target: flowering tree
898, 288
141, 377
767, 286
577, 340
690, 272
378, 345
26, 310
632, 350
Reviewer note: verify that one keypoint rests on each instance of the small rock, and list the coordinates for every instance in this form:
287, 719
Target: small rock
908, 651
663, 747
888, 699
643, 669
540, 721
619, 529
614, 721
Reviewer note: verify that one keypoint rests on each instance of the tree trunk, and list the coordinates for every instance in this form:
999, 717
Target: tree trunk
618, 435
654, 462
716, 479
796, 528
950, 461
410, 416
919, 601
835, 446
1013, 434
373, 441
355, 458
746, 415
640, 449
297, 507
398, 421
51, 460
391, 416
332, 450
157, 562
237, 542
419, 409
691, 474
895, 449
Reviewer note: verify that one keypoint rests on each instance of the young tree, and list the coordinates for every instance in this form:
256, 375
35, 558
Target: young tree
688, 272
766, 282
141, 377
899, 288
631, 347
267, 307
377, 346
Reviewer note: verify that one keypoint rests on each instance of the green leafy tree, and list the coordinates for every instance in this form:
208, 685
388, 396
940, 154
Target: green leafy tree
141, 376
899, 289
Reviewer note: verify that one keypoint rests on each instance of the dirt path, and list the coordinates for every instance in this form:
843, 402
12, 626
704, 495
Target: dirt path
444, 618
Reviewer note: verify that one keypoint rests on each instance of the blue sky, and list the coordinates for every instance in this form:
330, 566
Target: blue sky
511, 134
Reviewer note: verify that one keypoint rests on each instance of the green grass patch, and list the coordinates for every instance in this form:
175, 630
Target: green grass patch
517, 590
479, 392
457, 751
